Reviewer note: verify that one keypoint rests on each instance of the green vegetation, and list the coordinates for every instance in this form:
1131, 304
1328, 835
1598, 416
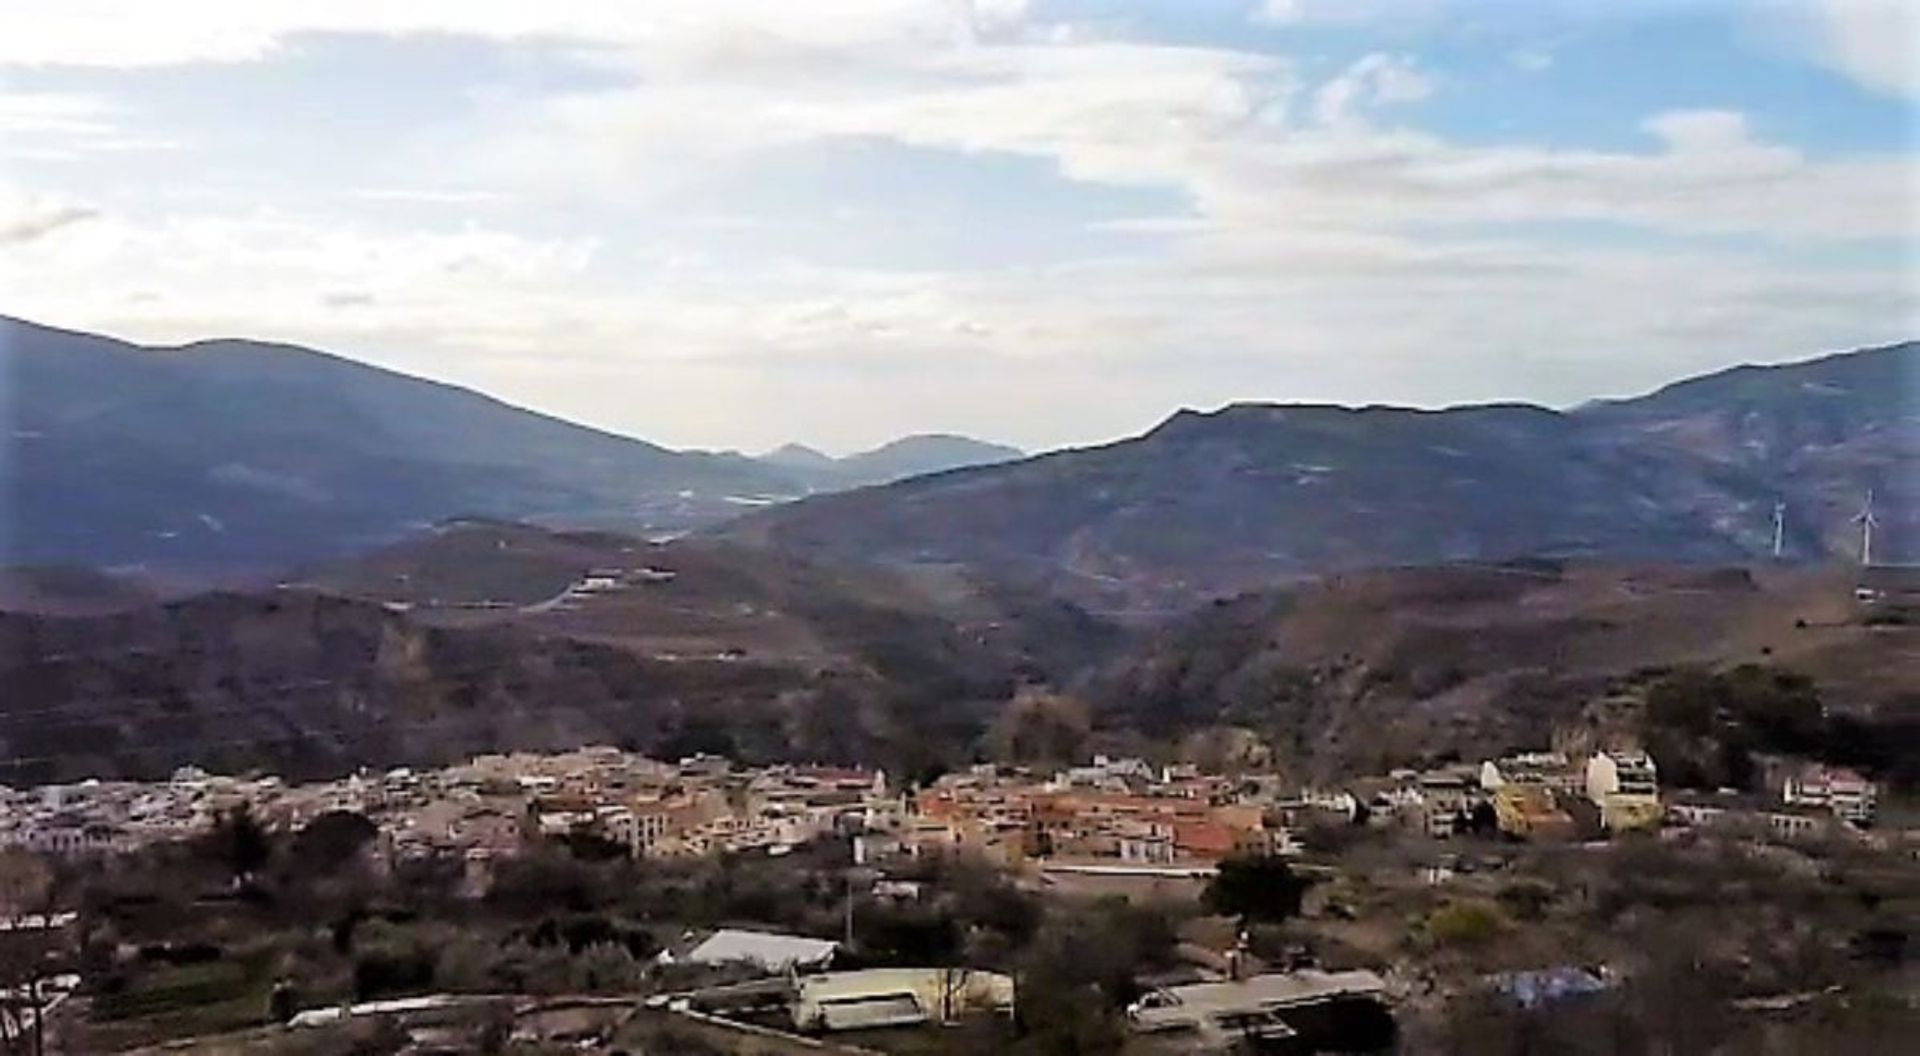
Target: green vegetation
560, 919
1704, 727
1465, 924
1256, 888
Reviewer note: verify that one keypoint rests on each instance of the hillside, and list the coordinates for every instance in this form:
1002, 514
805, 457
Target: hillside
1821, 432
771, 660
1211, 504
468, 640
698, 598
1369, 670
306, 684
71, 590
228, 453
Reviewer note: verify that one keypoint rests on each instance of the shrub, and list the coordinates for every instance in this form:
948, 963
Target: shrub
1465, 924
1527, 899
1259, 887
383, 973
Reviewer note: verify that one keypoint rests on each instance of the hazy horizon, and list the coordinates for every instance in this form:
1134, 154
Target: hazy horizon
1037, 223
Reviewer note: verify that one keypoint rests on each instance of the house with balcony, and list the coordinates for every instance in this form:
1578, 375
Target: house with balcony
1850, 797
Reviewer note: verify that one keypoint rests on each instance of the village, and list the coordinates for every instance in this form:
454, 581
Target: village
1109, 814
1105, 828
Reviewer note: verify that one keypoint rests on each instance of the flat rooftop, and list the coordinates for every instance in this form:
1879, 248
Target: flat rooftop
1276, 990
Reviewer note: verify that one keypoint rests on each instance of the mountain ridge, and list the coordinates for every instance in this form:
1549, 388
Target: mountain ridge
1207, 504
259, 455
913, 455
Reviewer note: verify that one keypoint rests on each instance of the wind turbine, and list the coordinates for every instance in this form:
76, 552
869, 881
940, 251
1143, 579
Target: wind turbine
1866, 520
1779, 528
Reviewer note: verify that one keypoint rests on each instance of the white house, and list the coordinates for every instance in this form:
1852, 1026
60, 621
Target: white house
1844, 792
1621, 774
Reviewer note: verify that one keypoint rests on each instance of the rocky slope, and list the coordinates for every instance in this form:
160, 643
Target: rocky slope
1364, 671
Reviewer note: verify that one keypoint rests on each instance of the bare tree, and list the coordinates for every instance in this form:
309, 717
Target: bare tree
26, 887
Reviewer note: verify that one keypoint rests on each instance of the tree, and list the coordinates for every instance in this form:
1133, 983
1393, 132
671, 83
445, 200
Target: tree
1079, 972
332, 840
26, 888
240, 843
1256, 887
1041, 727
1482, 819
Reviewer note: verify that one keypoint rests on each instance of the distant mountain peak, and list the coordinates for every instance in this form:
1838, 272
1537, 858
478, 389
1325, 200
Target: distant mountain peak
908, 456
799, 456
925, 441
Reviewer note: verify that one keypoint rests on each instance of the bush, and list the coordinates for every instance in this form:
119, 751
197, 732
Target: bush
1259, 887
1527, 899
331, 841
1465, 924
388, 973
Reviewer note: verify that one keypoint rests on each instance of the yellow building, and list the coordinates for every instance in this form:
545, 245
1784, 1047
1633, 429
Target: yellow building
1529, 812
1623, 812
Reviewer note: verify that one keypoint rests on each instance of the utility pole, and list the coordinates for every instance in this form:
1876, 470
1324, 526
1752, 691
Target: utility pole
1779, 529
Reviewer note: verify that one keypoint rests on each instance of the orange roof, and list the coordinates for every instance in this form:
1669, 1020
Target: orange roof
1203, 839
1239, 816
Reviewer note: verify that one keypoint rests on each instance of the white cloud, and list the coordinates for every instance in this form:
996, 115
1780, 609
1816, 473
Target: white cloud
1874, 42
108, 33
1376, 79
67, 126
1277, 12
428, 195
55, 113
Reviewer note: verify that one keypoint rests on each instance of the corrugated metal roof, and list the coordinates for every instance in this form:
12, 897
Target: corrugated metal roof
770, 950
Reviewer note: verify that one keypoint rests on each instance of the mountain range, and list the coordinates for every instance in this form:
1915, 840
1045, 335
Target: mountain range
219, 455
1078, 600
236, 454
1212, 504
909, 456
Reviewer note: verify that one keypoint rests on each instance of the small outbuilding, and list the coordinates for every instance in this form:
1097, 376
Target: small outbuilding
895, 997
770, 951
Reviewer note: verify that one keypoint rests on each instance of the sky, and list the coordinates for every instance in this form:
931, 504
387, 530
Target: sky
736, 223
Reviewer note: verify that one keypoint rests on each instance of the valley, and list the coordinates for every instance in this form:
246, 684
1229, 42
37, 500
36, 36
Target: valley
488, 636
